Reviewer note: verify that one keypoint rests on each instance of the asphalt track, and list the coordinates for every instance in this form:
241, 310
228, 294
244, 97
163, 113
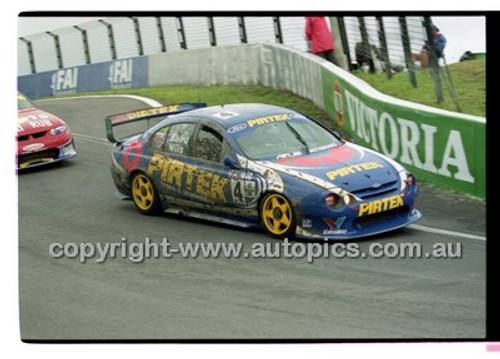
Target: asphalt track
218, 298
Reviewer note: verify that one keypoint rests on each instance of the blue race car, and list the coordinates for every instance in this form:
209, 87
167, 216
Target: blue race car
254, 164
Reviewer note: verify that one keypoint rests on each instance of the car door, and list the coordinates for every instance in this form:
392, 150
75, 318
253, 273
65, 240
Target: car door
213, 185
241, 187
169, 165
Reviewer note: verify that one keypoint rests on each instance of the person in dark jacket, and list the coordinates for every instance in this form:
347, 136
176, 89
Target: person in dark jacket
437, 46
319, 36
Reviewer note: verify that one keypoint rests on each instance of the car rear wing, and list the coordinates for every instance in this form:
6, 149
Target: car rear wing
145, 115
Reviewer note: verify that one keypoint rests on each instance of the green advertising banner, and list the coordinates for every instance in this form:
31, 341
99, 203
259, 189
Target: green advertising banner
439, 147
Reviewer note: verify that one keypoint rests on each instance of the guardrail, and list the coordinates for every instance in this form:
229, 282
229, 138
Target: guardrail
441, 147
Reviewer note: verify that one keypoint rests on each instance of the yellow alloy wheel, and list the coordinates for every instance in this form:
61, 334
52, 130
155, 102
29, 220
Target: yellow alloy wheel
277, 214
142, 192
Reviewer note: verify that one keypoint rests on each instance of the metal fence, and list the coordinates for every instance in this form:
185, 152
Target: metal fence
123, 37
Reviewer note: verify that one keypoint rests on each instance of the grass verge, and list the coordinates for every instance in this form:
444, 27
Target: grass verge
468, 78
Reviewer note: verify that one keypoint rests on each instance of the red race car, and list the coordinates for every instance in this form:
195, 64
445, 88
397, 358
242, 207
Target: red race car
42, 137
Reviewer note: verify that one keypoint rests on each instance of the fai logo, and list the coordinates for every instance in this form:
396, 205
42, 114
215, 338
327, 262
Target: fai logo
120, 74
64, 81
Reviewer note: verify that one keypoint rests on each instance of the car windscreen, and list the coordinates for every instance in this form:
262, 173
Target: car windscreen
23, 102
293, 137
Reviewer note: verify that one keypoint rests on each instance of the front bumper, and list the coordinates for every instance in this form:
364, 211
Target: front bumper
365, 218
47, 156
394, 221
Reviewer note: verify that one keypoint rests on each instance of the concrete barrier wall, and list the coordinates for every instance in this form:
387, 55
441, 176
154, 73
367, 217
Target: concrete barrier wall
441, 147
228, 65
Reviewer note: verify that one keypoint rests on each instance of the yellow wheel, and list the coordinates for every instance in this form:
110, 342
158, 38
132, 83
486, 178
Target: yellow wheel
144, 194
277, 215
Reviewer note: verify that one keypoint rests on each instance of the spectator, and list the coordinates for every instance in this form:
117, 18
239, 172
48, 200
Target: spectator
367, 54
320, 38
438, 45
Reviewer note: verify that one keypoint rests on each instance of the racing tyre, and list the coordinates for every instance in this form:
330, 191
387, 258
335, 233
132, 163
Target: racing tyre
277, 216
144, 194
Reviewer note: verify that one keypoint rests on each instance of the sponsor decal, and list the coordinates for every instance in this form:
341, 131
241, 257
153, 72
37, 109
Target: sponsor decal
269, 119
306, 223
120, 74
188, 179
146, 113
237, 128
38, 116
334, 231
33, 147
360, 167
381, 205
225, 114
240, 175
334, 226
322, 148
288, 155
64, 81
409, 142
132, 155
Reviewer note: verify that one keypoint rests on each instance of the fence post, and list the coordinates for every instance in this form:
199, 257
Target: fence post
366, 46
434, 64
383, 46
407, 50
345, 41
161, 37
180, 31
339, 53
278, 35
85, 41
110, 37
58, 48
30, 54
211, 31
138, 38
243, 30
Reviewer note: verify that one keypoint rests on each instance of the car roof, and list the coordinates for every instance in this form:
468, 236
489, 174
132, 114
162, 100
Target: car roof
229, 115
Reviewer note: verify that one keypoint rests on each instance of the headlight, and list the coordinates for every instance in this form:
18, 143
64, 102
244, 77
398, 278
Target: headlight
332, 200
349, 200
407, 181
58, 130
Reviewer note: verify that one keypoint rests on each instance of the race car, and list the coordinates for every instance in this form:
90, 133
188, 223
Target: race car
256, 165
42, 137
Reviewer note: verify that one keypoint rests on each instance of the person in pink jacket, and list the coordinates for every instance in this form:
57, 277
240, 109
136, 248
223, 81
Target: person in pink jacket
320, 38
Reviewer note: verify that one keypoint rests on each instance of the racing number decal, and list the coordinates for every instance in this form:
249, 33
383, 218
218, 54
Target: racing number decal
243, 191
237, 192
132, 155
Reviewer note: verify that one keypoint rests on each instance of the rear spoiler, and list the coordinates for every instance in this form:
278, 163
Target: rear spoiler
146, 114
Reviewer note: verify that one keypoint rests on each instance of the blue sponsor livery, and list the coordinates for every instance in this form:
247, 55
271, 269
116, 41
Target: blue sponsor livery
259, 165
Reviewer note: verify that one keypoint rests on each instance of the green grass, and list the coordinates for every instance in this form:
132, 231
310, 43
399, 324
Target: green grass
216, 95
468, 77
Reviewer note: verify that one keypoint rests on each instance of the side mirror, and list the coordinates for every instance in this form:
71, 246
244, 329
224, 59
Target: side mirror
230, 162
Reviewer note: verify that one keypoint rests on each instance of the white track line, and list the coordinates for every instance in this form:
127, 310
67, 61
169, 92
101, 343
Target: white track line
446, 232
147, 101
92, 139
153, 103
